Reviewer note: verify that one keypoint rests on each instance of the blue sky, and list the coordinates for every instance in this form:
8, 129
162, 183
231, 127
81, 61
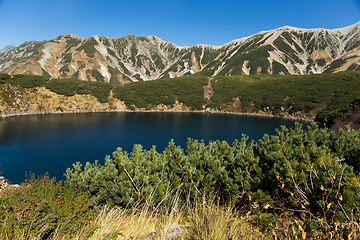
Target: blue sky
182, 22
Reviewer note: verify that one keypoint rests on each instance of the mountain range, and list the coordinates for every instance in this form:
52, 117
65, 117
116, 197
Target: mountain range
286, 50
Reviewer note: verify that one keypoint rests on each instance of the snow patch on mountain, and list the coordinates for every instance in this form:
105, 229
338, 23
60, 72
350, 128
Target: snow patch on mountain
245, 68
216, 72
101, 48
104, 71
46, 55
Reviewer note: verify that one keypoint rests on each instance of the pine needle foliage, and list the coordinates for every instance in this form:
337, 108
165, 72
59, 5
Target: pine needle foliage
188, 90
42, 208
70, 87
310, 175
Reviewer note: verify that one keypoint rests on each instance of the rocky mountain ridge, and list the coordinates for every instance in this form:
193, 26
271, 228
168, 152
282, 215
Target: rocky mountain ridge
286, 50
7, 48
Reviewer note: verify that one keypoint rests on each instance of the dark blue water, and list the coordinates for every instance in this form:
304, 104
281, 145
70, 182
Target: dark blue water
52, 143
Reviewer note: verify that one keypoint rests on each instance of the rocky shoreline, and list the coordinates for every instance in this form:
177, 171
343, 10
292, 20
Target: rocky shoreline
4, 185
167, 110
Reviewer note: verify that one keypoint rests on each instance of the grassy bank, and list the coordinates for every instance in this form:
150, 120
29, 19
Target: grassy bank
37, 212
45, 210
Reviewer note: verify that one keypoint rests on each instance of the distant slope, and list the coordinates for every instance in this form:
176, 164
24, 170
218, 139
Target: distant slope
285, 50
321, 97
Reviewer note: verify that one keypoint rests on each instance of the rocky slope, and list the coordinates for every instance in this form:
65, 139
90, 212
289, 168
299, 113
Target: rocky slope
285, 50
15, 100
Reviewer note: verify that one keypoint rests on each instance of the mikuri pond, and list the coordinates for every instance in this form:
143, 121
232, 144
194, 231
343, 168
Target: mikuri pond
52, 143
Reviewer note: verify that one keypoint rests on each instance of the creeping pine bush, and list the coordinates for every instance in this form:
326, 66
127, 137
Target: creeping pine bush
42, 208
127, 179
29, 81
3, 77
70, 87
310, 175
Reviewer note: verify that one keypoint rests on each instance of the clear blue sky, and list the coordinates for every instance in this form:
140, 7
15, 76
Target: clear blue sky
182, 22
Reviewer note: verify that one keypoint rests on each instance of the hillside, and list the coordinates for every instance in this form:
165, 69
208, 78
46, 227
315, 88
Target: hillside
285, 50
321, 97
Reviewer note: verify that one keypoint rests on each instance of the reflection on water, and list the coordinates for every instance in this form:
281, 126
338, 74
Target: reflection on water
52, 143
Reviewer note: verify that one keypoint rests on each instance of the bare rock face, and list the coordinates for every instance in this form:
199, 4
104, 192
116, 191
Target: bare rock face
285, 50
7, 48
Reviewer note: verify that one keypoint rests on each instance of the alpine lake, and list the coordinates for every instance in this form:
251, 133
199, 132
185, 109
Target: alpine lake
39, 144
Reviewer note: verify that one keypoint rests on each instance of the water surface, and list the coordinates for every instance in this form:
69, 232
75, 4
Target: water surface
52, 143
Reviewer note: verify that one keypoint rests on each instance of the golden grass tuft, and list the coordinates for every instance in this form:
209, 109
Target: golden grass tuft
206, 219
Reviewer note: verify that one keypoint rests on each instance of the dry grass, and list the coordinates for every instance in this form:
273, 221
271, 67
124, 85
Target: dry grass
205, 219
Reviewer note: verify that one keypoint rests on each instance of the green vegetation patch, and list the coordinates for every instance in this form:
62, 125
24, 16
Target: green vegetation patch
189, 90
29, 81
70, 87
88, 47
44, 209
321, 62
67, 58
65, 69
3, 77
353, 67
113, 73
289, 93
75, 75
126, 71
158, 61
279, 68
257, 58
209, 55
335, 64
72, 42
46, 74
97, 75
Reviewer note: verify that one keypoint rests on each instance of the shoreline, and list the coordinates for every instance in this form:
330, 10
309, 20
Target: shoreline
6, 115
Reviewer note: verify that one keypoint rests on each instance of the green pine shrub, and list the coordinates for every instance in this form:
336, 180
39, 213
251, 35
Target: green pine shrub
3, 77
126, 179
29, 81
42, 208
309, 175
88, 47
188, 89
70, 87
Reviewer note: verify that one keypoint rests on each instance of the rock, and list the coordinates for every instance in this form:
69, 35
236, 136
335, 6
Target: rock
4, 184
172, 234
148, 237
2, 181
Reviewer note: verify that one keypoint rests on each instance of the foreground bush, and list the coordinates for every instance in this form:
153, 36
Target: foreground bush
43, 208
309, 175
125, 180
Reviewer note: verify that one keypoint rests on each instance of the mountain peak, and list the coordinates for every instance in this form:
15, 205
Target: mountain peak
7, 48
285, 50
